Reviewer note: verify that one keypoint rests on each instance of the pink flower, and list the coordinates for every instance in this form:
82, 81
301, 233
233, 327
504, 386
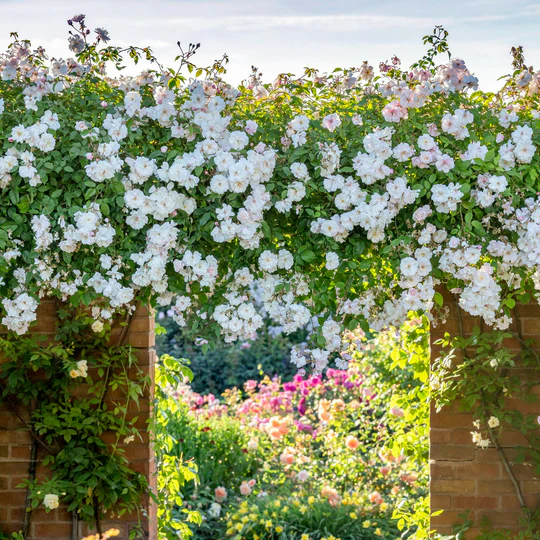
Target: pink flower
250, 385
394, 112
331, 122
396, 411
220, 493
245, 488
331, 494
287, 457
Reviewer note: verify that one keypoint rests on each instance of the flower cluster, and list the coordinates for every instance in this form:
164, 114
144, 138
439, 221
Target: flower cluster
333, 210
318, 440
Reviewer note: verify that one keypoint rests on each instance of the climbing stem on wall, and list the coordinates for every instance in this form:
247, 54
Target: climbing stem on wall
68, 393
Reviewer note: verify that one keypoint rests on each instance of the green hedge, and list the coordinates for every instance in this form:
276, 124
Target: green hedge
229, 365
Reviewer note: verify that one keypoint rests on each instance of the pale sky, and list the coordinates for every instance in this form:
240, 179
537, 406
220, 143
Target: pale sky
287, 35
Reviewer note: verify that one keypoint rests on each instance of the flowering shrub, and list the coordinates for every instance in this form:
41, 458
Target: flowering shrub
345, 197
317, 456
325, 200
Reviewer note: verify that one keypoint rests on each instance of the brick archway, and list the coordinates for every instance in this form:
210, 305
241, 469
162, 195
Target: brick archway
463, 476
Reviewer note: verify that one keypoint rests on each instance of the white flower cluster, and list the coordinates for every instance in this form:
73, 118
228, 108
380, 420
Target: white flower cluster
238, 318
520, 148
20, 312
446, 198
90, 229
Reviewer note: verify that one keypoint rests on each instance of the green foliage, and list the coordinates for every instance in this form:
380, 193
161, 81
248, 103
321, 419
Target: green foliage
228, 365
67, 412
174, 475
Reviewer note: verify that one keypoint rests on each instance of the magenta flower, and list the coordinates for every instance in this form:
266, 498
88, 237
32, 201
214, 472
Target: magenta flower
302, 406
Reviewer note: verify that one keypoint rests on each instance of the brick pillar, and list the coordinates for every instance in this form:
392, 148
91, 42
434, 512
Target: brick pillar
464, 476
16, 444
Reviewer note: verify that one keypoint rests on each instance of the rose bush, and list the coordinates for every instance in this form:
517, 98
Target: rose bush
344, 198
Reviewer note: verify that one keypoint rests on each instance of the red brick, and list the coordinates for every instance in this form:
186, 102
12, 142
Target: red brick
52, 530
15, 442
442, 486
438, 470
477, 470
440, 502
488, 487
468, 501
447, 421
448, 452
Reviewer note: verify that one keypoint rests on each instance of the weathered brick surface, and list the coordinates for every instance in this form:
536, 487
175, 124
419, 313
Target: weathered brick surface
16, 442
463, 476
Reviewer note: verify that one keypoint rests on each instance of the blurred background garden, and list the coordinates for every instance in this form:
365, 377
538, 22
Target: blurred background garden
250, 447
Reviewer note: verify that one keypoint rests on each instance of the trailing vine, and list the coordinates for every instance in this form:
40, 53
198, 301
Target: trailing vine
479, 372
69, 393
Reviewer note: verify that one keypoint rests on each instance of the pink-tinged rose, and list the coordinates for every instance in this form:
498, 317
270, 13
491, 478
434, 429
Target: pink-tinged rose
396, 411
220, 494
394, 112
375, 498
245, 488
331, 122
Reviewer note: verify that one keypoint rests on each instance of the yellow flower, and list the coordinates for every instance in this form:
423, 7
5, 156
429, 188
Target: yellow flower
366, 524
378, 532
285, 509
303, 509
239, 527
384, 507
304, 537
245, 519
353, 515
277, 503
279, 529
311, 500
268, 524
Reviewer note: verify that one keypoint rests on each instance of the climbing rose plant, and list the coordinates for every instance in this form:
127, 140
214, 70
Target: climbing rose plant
331, 201
340, 199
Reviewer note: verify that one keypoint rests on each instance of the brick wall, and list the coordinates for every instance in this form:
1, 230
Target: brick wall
463, 476
16, 445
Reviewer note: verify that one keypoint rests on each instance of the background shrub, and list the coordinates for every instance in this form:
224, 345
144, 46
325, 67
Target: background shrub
229, 365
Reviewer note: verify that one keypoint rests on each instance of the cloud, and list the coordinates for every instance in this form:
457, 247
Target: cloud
335, 23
